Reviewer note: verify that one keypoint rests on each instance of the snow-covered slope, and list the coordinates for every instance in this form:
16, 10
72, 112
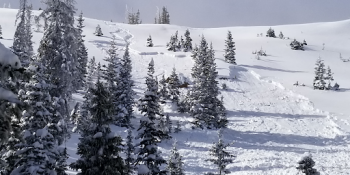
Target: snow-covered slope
272, 122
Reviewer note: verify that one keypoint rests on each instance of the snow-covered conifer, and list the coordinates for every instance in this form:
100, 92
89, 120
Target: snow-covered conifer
149, 42
125, 91
173, 86
178, 127
230, 49
188, 42
82, 54
306, 165
98, 31
0, 32
91, 72
168, 123
147, 152
281, 36
319, 80
220, 157
175, 162
296, 45
203, 102
171, 46
129, 151
99, 147
271, 33
163, 91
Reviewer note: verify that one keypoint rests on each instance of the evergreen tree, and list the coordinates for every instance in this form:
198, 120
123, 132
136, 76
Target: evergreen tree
230, 49
99, 148
21, 37
188, 42
163, 17
304, 42
271, 33
319, 80
173, 86
129, 151
92, 69
171, 46
134, 18
163, 91
28, 31
281, 36
149, 42
125, 91
0, 32
220, 157
296, 45
306, 165
147, 152
98, 31
168, 124
82, 54
175, 162
9, 155
202, 100
178, 127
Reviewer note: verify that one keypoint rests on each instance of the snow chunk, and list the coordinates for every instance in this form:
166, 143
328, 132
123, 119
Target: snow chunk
111, 135
8, 95
38, 145
98, 135
42, 132
143, 169
8, 58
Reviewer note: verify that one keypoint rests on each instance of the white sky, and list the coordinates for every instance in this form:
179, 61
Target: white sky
216, 13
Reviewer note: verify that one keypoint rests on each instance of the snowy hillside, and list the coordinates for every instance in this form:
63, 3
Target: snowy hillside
271, 122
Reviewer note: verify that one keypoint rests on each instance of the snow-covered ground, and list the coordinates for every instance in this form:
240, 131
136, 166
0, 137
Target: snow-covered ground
272, 122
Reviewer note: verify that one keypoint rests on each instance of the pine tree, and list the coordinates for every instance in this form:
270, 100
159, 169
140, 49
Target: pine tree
306, 165
163, 17
178, 127
163, 91
92, 69
230, 49
319, 80
271, 33
129, 151
99, 148
125, 91
188, 42
9, 156
173, 86
98, 31
202, 100
175, 162
281, 36
28, 31
134, 18
0, 32
168, 124
147, 152
82, 54
220, 157
149, 42
329, 77
21, 37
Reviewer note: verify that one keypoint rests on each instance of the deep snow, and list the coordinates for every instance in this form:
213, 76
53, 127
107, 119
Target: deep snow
272, 122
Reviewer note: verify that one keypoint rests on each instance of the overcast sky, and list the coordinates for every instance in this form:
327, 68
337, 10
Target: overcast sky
216, 13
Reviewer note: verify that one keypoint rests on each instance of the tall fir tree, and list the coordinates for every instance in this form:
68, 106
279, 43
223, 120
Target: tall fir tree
129, 152
220, 157
125, 91
91, 72
98, 31
82, 54
99, 147
230, 49
163, 91
202, 100
173, 86
329, 77
29, 34
147, 152
175, 162
319, 80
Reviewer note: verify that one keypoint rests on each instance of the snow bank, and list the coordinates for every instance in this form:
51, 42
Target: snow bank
8, 58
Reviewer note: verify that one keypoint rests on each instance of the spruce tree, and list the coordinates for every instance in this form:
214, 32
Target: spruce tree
319, 80
0, 32
329, 77
220, 157
98, 31
28, 31
168, 124
82, 54
306, 165
281, 36
163, 91
99, 147
125, 91
173, 86
230, 49
171, 46
149, 42
202, 100
178, 127
188, 42
271, 33
129, 151
91, 72
21, 37
175, 162
147, 152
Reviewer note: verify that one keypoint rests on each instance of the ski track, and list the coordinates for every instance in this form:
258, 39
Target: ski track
267, 121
